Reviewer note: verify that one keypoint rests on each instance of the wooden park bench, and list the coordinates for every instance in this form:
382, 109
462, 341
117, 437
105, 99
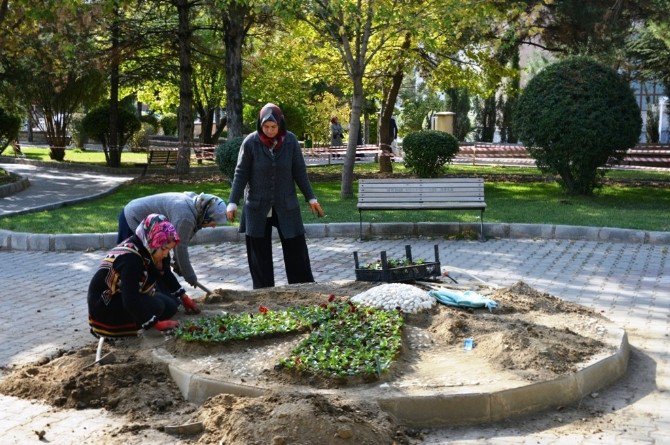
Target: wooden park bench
160, 157
422, 194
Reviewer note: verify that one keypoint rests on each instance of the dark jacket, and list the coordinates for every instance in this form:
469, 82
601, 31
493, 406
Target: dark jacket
270, 184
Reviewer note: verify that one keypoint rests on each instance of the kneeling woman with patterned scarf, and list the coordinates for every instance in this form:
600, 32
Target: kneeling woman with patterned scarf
134, 287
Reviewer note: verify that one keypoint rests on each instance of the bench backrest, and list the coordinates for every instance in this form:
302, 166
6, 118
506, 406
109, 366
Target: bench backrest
439, 193
162, 156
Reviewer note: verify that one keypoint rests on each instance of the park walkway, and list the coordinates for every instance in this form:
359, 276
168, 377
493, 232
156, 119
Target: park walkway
52, 187
44, 310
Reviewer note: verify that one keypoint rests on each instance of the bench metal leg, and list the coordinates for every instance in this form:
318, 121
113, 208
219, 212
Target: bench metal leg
481, 226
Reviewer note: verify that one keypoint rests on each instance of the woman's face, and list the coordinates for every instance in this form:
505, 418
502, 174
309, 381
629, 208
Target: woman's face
270, 129
160, 254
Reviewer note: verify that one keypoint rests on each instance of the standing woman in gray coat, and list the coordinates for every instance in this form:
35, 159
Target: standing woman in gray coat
269, 165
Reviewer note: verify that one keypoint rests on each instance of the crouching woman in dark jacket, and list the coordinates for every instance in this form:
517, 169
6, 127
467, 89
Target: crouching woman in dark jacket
134, 287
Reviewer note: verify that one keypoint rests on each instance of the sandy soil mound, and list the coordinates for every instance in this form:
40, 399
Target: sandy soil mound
296, 419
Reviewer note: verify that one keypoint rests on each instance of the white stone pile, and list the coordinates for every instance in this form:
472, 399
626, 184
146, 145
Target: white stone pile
389, 296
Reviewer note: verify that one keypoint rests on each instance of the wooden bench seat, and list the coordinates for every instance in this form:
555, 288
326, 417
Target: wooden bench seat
422, 194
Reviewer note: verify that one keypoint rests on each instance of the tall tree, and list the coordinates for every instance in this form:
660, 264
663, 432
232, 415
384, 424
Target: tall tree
184, 35
358, 30
53, 71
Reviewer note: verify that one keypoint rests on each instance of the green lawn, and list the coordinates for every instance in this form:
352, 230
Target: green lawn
538, 203
513, 195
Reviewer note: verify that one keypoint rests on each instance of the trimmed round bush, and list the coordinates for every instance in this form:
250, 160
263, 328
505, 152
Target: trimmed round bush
573, 117
9, 128
226, 156
426, 152
96, 124
169, 124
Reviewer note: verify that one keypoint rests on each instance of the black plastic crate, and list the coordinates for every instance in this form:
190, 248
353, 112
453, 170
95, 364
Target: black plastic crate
388, 274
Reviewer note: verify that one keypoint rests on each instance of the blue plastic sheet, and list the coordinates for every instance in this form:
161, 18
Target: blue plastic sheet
467, 298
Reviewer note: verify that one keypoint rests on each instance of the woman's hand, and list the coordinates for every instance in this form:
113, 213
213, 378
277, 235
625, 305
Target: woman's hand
189, 305
316, 209
231, 211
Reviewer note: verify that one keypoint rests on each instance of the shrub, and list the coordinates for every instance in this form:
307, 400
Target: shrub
96, 124
140, 139
226, 156
79, 135
152, 122
575, 115
9, 128
427, 151
169, 124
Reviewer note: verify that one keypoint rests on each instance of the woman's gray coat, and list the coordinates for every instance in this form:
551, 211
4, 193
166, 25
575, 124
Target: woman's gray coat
270, 179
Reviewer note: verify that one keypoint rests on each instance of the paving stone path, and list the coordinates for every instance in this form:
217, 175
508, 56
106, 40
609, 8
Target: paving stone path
43, 296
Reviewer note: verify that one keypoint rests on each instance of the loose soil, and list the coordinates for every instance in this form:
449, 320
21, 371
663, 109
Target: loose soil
532, 336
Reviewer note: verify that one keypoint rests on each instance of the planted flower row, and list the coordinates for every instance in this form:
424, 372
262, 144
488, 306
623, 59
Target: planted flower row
394, 262
358, 341
346, 340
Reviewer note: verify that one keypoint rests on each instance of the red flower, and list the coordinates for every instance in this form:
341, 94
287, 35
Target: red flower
331, 297
194, 328
324, 305
262, 309
222, 329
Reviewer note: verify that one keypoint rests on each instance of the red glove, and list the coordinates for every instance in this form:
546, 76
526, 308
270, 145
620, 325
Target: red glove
166, 325
189, 305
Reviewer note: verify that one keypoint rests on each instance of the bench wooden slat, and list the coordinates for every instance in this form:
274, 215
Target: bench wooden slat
422, 194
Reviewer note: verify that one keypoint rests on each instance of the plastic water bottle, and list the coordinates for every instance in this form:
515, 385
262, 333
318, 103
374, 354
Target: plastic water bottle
468, 344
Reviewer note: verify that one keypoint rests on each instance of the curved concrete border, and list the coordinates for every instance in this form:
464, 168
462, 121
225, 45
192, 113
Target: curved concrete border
14, 187
438, 409
94, 241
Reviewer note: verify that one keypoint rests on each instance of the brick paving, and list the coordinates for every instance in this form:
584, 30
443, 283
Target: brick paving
44, 296
44, 310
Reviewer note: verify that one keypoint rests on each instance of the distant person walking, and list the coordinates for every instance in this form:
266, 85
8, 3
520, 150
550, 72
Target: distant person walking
393, 132
336, 131
269, 166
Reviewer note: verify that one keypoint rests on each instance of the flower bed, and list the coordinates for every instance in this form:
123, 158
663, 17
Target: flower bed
346, 340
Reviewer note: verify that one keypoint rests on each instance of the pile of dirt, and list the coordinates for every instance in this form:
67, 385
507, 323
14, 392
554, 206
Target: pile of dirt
132, 384
296, 418
532, 334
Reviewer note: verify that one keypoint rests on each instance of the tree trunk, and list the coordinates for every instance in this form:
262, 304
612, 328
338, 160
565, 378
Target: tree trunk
235, 33
354, 126
385, 138
185, 88
114, 158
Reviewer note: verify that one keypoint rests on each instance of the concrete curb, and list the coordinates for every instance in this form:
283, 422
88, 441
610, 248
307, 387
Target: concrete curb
93, 241
14, 187
476, 408
439, 409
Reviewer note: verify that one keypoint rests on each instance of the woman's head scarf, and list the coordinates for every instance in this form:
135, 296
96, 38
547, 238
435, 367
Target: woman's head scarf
271, 112
156, 231
209, 208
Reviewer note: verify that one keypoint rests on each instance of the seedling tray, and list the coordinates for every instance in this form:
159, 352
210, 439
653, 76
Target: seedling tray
387, 274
